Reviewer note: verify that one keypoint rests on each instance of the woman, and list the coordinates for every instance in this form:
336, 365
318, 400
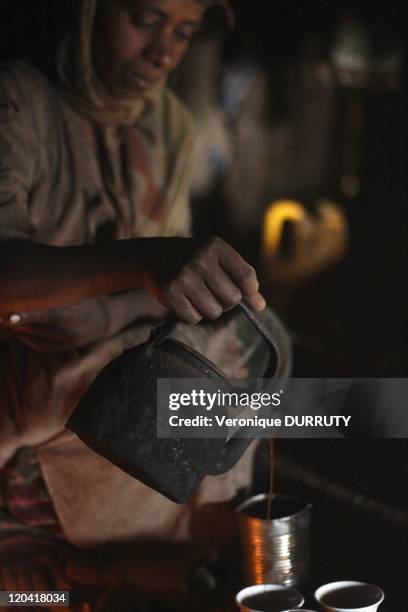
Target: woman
94, 176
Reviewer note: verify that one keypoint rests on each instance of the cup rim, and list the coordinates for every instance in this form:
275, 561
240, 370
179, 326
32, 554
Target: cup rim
325, 588
264, 496
266, 588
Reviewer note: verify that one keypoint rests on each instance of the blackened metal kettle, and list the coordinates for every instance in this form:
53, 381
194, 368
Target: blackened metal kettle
117, 415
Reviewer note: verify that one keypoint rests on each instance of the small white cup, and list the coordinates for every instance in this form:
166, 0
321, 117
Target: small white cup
292, 597
372, 595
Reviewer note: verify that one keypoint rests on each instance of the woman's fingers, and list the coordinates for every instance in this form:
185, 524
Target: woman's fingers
242, 275
199, 296
213, 279
222, 289
181, 307
227, 276
256, 301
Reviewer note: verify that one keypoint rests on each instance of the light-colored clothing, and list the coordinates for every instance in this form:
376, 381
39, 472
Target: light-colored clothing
66, 181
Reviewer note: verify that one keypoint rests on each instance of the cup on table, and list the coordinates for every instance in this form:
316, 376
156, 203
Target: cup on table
276, 550
269, 598
349, 596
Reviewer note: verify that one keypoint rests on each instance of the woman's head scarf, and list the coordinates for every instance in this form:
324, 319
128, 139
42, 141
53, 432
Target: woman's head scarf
76, 66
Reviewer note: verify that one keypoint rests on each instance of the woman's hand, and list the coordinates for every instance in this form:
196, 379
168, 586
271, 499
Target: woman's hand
197, 279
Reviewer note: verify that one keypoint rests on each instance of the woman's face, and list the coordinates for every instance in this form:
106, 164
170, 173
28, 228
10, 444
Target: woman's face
144, 40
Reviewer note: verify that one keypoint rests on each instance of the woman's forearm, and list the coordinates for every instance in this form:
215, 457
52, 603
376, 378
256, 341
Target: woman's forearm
127, 307
34, 276
193, 278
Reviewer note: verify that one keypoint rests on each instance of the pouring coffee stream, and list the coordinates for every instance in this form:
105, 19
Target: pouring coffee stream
117, 415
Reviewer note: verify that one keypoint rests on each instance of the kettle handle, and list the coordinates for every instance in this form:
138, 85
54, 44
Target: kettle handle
278, 340
275, 334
